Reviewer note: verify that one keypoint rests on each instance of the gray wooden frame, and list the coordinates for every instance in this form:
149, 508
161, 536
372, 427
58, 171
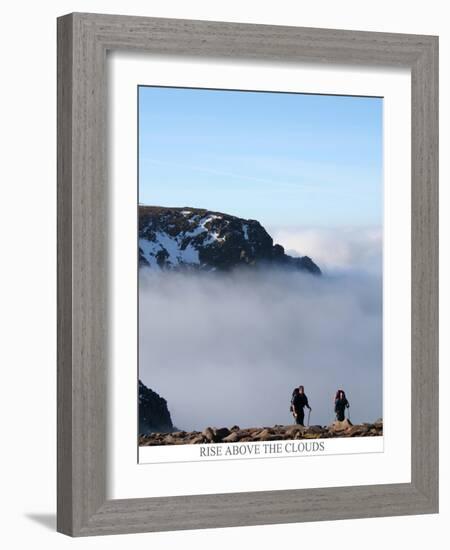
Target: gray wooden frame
83, 40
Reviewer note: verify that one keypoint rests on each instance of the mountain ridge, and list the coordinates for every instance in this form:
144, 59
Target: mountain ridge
172, 238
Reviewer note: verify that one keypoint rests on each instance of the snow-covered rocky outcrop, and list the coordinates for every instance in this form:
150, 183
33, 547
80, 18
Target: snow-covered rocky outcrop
194, 238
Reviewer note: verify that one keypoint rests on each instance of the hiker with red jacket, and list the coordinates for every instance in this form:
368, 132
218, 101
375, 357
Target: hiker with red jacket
298, 402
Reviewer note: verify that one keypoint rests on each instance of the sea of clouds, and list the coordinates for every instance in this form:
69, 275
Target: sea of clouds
347, 249
228, 349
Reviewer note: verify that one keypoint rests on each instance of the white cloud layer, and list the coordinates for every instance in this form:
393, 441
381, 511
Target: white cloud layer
341, 248
229, 349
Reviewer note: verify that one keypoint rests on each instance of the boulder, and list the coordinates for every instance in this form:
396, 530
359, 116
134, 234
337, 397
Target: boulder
292, 431
264, 435
356, 431
340, 426
208, 433
231, 438
316, 429
220, 433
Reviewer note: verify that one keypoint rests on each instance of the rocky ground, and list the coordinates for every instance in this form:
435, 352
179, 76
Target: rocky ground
236, 434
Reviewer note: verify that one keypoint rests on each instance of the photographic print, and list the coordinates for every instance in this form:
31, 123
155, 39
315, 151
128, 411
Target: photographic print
260, 274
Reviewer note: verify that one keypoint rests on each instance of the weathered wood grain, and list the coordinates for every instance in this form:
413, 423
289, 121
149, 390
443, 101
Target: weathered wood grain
83, 40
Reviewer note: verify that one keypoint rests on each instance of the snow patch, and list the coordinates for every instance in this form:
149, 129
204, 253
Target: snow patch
172, 246
149, 251
175, 255
211, 217
196, 231
245, 230
213, 237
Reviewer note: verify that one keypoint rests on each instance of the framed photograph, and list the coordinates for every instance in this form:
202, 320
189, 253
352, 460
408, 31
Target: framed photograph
247, 274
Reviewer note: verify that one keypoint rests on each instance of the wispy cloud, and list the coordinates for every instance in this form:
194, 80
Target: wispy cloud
275, 181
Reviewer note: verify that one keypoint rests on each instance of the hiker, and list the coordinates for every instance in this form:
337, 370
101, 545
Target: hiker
294, 393
340, 404
298, 402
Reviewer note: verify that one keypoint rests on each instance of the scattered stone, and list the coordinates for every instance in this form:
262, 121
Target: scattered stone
315, 429
264, 435
169, 439
292, 431
278, 432
232, 438
220, 433
339, 426
356, 430
209, 434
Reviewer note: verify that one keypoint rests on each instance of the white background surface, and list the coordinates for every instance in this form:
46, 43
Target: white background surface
131, 480
28, 274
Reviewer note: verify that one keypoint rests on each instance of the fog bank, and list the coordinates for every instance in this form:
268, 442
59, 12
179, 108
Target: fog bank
229, 349
335, 249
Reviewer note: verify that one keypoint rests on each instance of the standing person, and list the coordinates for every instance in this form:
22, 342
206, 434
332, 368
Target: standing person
299, 402
340, 404
294, 393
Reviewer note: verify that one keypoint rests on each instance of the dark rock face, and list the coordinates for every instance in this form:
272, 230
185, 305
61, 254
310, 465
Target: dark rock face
154, 416
198, 239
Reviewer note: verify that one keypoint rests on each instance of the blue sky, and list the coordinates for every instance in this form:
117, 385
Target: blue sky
283, 159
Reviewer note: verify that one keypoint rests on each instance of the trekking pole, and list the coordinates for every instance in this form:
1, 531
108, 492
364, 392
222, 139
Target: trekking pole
349, 413
309, 415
